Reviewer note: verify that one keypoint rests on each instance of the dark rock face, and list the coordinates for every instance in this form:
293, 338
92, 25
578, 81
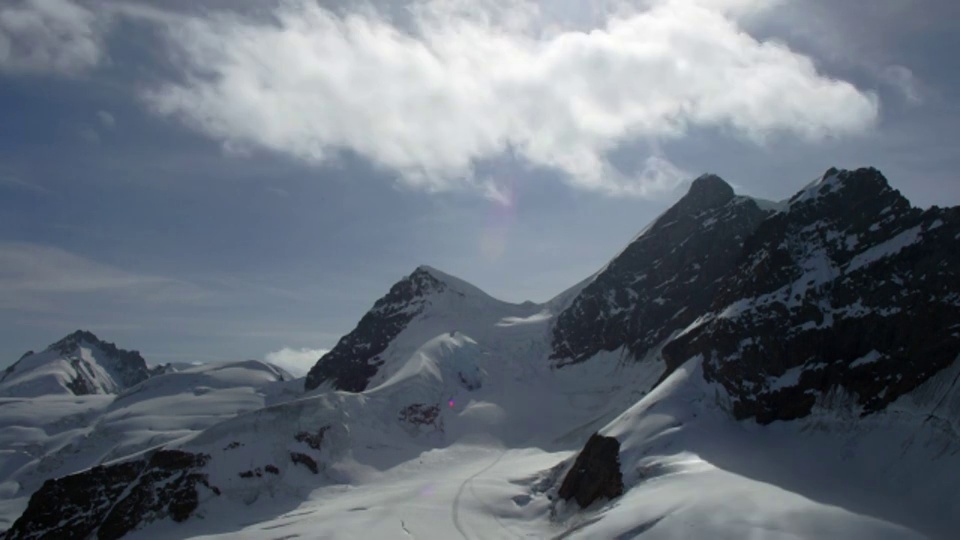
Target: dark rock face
850, 288
302, 459
355, 359
111, 501
847, 287
663, 280
74, 506
82, 385
313, 440
420, 414
595, 473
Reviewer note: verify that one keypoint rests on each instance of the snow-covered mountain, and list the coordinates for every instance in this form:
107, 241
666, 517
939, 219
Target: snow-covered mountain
847, 289
740, 369
78, 364
59, 433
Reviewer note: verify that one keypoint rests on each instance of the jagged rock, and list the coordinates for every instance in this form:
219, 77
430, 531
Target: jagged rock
848, 288
595, 473
113, 500
663, 280
74, 506
354, 360
844, 286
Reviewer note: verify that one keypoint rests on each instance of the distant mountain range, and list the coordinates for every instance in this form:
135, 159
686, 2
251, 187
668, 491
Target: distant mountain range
741, 367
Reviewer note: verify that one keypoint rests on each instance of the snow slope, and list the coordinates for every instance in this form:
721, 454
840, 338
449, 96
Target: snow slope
691, 472
55, 435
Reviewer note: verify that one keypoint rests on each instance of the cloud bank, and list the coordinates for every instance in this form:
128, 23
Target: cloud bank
297, 361
466, 82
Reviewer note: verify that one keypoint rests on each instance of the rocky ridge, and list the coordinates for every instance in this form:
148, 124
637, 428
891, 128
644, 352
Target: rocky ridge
354, 360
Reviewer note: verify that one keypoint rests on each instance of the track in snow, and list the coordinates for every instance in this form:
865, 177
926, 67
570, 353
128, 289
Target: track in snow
455, 507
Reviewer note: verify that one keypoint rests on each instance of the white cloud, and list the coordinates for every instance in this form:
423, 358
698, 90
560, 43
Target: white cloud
475, 80
297, 361
52, 36
659, 176
735, 8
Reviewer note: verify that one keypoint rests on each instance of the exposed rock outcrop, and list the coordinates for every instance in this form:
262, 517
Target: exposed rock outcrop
110, 501
595, 473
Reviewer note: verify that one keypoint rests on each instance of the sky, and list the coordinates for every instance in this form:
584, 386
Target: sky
234, 179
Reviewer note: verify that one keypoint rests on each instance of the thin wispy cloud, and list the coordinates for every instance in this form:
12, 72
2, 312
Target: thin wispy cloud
903, 80
30, 273
472, 81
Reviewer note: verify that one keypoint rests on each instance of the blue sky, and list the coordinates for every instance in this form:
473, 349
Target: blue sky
224, 180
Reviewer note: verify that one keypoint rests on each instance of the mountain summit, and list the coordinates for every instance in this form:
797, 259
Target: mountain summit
663, 280
707, 191
78, 364
707, 256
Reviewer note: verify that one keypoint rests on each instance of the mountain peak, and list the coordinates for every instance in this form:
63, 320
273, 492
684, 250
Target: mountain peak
80, 363
439, 275
711, 185
421, 282
425, 268
859, 184
707, 191
428, 279
428, 271
70, 341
